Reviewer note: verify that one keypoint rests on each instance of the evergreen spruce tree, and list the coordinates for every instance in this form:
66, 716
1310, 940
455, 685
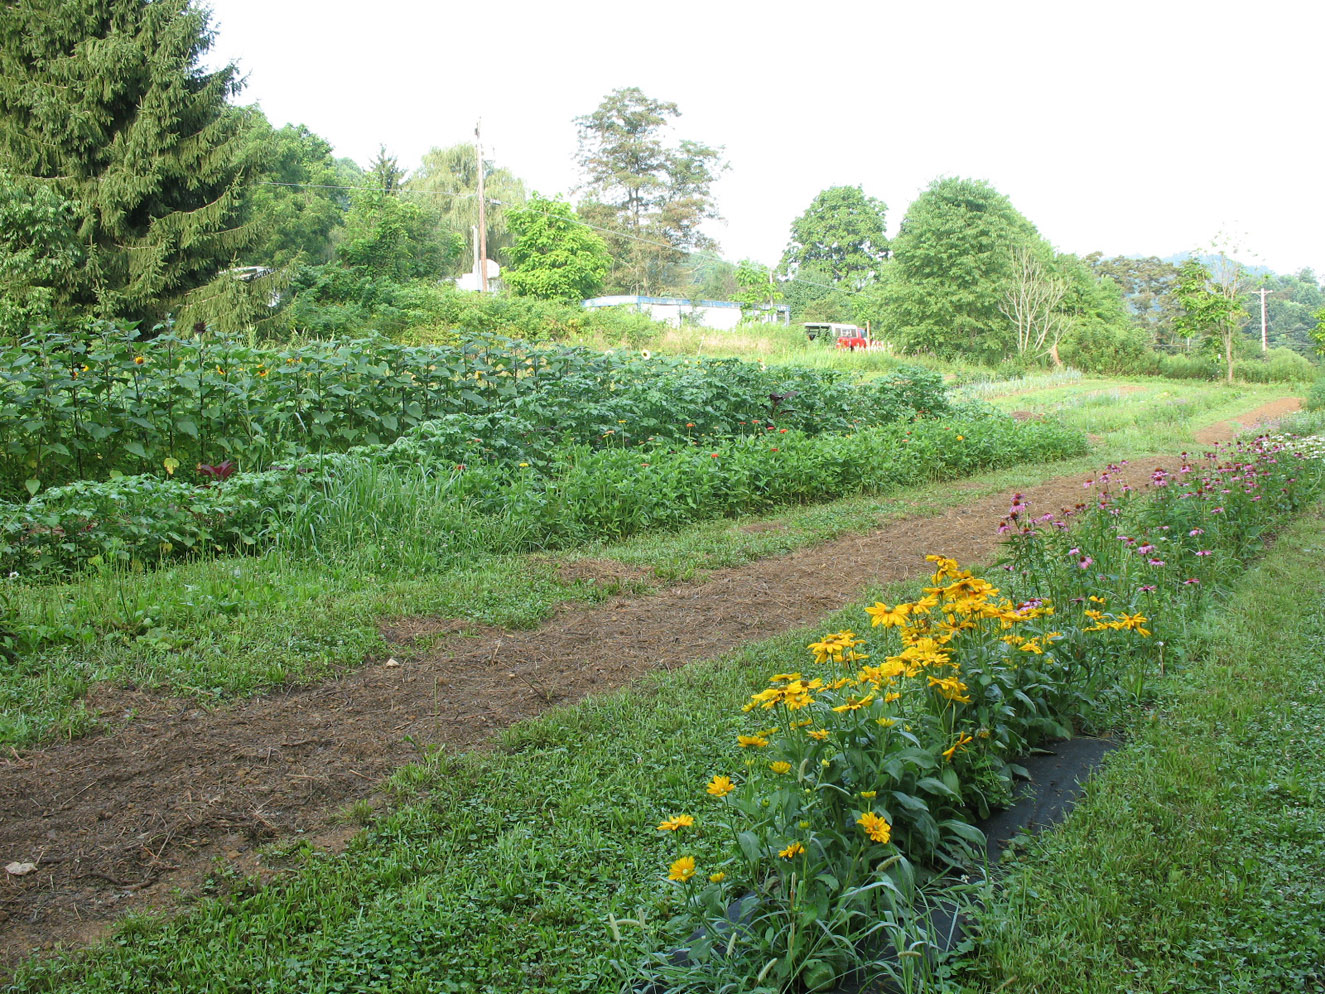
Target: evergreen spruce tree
106, 103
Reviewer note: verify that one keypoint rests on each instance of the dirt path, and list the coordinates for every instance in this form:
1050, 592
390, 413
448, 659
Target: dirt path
119, 821
1225, 431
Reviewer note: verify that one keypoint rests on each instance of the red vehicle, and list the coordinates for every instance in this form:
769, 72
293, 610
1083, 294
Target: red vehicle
847, 336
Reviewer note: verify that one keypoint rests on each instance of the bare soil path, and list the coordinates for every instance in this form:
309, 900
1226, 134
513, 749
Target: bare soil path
119, 821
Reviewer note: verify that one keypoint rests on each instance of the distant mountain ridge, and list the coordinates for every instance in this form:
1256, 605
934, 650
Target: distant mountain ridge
1209, 260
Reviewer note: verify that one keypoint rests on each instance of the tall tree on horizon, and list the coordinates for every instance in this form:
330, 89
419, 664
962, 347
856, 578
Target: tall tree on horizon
652, 197
107, 104
952, 258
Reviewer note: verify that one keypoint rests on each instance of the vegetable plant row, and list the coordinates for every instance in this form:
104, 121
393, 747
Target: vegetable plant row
107, 401
495, 482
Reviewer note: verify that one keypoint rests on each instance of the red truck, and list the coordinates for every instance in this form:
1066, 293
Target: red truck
847, 336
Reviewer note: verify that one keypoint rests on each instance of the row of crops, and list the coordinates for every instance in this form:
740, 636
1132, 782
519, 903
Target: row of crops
124, 450
107, 401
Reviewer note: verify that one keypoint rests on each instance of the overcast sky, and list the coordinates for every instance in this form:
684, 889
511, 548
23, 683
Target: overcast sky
1136, 128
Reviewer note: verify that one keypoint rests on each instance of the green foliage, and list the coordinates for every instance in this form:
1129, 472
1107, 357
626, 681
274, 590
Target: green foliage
40, 256
389, 251
653, 196
89, 404
1279, 365
555, 257
1148, 287
447, 180
1291, 311
1318, 332
107, 103
1316, 395
1209, 805
1100, 337
841, 235
757, 288
1211, 308
951, 258
295, 196
574, 448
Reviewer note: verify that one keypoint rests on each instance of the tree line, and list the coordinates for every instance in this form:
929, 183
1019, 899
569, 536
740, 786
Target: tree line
133, 186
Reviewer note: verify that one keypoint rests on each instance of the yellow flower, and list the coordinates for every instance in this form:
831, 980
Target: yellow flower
138, 360
677, 822
746, 741
869, 795
792, 851
717, 878
720, 786
682, 870
781, 766
875, 826
524, 465
962, 741
889, 617
855, 703
951, 688
1134, 622
818, 734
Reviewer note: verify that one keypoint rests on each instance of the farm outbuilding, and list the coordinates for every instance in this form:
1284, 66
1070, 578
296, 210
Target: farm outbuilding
722, 315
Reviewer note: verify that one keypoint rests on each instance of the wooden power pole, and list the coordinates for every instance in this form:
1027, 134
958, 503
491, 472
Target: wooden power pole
482, 216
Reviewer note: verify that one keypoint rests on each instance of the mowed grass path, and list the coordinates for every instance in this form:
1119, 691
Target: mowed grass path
1197, 861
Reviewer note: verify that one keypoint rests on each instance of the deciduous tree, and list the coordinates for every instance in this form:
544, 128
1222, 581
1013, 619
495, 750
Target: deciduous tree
841, 235
449, 178
1032, 300
651, 195
951, 258
1212, 305
554, 256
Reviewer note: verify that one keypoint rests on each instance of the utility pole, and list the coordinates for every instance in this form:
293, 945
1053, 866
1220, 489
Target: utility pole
1265, 340
482, 215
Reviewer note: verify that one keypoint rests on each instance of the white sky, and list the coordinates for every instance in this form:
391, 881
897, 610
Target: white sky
1137, 128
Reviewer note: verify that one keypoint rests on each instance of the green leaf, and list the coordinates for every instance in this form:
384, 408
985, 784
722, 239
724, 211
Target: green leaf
934, 786
32, 487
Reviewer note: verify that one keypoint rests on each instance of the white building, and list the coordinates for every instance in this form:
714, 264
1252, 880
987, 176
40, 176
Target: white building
722, 315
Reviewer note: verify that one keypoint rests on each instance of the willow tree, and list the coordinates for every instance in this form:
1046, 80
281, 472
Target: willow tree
107, 104
449, 178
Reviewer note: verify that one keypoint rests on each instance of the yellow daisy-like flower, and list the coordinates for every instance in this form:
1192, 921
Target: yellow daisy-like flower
677, 822
875, 826
780, 767
888, 617
720, 786
962, 741
869, 795
792, 851
138, 360
951, 688
749, 741
818, 734
682, 870
717, 878
855, 703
